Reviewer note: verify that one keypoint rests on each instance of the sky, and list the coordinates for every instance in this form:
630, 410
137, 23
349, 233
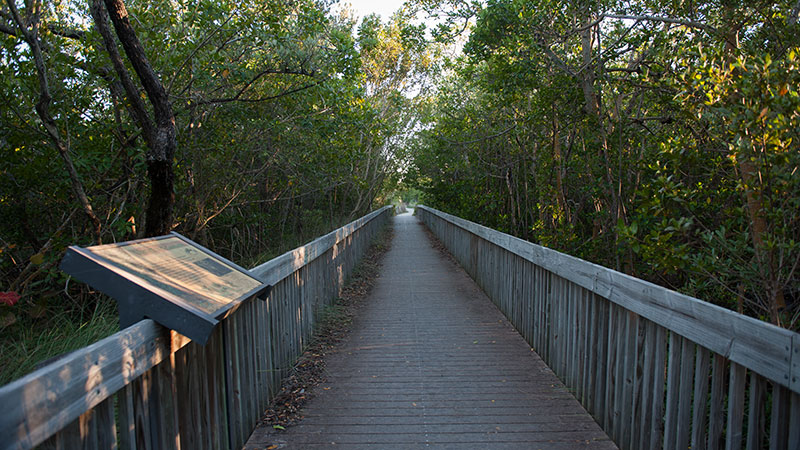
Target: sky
384, 8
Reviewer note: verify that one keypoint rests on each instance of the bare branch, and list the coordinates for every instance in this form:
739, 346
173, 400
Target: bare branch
31, 37
137, 107
199, 46
794, 14
263, 73
237, 97
7, 30
686, 23
69, 33
136, 55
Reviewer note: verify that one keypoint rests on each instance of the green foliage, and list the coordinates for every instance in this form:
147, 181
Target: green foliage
663, 146
288, 124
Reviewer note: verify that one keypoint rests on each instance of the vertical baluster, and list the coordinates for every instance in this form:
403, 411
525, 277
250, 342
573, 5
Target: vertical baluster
794, 420
619, 373
611, 363
779, 426
648, 368
716, 416
736, 394
127, 424
658, 386
592, 342
700, 405
600, 360
673, 392
684, 418
755, 414
629, 375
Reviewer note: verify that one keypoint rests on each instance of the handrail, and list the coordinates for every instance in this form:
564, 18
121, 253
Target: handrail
584, 318
151, 370
279, 268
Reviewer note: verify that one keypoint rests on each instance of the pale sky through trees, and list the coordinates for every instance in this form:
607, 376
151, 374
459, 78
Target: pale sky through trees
384, 8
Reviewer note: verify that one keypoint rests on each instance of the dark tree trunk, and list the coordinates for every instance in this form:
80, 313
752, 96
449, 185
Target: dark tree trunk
162, 197
159, 134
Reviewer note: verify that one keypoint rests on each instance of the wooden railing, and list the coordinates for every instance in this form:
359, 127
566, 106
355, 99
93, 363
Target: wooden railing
147, 387
656, 369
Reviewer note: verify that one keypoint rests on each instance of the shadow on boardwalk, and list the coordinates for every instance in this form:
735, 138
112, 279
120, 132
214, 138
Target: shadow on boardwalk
431, 363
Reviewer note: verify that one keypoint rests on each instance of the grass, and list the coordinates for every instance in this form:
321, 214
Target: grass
26, 345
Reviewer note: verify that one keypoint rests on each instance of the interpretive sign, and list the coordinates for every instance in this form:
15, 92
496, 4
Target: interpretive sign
170, 279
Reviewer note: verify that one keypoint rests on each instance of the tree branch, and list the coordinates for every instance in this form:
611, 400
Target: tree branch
191, 55
136, 55
31, 37
793, 15
259, 99
268, 72
686, 23
162, 141
7, 30
137, 108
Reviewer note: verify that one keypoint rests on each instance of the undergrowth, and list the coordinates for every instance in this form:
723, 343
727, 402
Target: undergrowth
31, 343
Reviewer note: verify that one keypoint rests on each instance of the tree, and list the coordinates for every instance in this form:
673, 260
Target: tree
28, 29
648, 136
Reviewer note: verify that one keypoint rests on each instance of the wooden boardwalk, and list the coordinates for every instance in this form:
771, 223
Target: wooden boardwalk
432, 363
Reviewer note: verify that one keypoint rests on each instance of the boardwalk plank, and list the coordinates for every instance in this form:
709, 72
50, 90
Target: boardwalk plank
432, 362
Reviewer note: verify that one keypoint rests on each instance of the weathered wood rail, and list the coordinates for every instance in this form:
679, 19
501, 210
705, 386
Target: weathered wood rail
657, 369
147, 387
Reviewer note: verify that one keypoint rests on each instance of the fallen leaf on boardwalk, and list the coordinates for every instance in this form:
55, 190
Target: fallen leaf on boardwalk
272, 447
278, 427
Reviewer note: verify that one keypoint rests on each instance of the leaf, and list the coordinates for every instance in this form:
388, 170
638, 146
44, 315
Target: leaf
9, 298
278, 427
272, 447
37, 258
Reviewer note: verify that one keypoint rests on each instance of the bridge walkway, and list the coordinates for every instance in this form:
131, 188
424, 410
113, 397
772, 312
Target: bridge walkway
432, 363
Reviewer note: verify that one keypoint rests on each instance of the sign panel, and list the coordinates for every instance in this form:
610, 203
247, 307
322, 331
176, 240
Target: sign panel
169, 279
173, 265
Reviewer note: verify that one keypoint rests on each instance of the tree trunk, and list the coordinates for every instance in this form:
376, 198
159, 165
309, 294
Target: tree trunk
31, 37
754, 198
160, 135
561, 198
